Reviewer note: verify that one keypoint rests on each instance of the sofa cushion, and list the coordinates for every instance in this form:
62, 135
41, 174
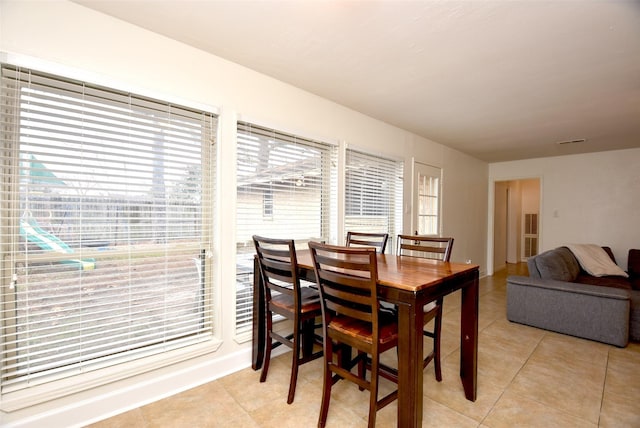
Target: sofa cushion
558, 264
604, 281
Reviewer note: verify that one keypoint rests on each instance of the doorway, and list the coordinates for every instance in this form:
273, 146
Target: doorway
516, 225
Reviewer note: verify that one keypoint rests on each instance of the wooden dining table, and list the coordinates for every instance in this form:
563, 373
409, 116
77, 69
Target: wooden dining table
409, 283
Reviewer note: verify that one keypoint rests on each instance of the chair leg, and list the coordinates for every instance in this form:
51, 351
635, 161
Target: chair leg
266, 359
373, 391
362, 367
435, 336
436, 342
268, 344
327, 383
294, 364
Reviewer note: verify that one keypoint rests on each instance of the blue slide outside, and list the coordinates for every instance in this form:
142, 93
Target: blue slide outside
30, 229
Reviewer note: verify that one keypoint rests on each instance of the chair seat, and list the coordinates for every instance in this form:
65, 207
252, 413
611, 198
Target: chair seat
310, 301
361, 330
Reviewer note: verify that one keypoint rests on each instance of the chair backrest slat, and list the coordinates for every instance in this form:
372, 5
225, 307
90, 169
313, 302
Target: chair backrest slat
347, 280
423, 248
345, 264
349, 311
274, 265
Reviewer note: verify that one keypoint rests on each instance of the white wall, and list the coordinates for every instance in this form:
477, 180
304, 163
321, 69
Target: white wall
94, 47
530, 196
464, 207
590, 198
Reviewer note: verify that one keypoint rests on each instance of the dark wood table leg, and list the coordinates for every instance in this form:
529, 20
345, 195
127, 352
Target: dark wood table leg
308, 337
410, 366
258, 331
469, 338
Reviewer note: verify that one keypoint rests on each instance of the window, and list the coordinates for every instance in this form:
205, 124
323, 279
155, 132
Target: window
296, 173
373, 193
428, 195
104, 227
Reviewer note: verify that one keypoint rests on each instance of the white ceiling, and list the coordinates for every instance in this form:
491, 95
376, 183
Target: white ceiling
499, 80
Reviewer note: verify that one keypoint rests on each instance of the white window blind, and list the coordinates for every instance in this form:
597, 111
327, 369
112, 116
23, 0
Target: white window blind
105, 214
373, 194
284, 191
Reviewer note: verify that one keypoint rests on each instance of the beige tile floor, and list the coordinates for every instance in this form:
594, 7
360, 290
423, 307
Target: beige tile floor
526, 378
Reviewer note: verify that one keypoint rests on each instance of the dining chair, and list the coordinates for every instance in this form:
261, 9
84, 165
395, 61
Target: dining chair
352, 317
362, 239
285, 296
430, 247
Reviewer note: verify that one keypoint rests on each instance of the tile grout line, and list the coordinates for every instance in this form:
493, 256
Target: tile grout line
604, 385
504, 390
539, 402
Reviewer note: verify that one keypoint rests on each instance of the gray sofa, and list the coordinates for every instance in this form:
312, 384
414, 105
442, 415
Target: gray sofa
559, 296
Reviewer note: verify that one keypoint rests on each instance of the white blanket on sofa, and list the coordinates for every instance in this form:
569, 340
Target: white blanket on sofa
595, 260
